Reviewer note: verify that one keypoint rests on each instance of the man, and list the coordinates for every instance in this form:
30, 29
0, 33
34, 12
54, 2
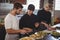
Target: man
11, 23
28, 20
44, 15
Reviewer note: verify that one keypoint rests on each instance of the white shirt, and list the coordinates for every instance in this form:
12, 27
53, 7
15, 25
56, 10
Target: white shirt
11, 22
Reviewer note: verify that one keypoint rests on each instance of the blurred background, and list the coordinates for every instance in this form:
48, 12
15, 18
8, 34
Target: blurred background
7, 5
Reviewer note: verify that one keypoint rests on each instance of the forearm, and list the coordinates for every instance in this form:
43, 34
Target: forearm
46, 25
11, 31
28, 29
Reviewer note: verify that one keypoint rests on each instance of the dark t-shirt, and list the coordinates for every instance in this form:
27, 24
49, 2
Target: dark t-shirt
27, 21
44, 16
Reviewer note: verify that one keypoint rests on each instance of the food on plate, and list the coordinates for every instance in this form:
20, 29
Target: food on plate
56, 34
27, 38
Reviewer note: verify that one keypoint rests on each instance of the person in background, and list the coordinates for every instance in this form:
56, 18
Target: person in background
12, 24
28, 20
44, 15
2, 32
57, 21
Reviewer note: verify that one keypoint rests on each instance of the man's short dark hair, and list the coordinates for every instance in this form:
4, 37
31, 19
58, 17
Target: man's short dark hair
17, 5
31, 7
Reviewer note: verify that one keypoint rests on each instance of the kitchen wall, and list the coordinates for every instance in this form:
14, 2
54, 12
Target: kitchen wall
57, 13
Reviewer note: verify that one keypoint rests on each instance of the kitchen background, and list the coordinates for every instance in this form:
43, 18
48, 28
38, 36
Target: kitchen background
7, 5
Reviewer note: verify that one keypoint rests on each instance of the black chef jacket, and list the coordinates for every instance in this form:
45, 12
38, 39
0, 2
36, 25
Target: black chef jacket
27, 21
44, 16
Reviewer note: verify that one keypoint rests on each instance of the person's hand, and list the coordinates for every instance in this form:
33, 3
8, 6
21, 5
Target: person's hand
23, 31
49, 28
28, 29
52, 29
37, 24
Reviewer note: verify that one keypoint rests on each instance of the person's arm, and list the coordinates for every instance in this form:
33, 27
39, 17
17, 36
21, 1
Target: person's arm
46, 25
11, 31
8, 26
28, 29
